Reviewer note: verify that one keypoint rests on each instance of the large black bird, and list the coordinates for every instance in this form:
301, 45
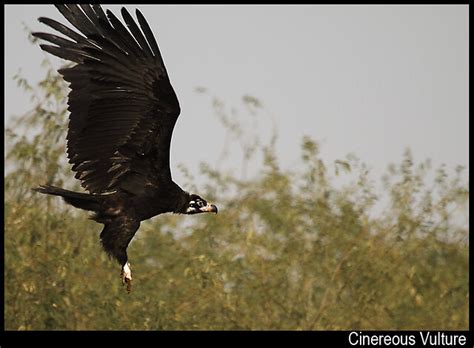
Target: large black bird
122, 113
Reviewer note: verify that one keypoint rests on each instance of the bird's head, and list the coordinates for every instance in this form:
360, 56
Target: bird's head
197, 205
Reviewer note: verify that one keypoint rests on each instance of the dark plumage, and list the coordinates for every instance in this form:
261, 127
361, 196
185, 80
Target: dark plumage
122, 113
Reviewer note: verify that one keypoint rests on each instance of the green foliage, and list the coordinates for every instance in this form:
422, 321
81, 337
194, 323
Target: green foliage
288, 249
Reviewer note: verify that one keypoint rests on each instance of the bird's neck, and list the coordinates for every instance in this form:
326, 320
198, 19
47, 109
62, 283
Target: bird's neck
182, 203
179, 197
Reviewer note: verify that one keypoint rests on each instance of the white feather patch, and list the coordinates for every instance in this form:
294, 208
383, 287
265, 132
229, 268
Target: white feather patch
127, 272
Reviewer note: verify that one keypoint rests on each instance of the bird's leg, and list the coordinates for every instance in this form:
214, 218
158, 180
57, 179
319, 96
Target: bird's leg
126, 276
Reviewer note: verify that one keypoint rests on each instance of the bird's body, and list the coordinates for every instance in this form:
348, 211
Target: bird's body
123, 110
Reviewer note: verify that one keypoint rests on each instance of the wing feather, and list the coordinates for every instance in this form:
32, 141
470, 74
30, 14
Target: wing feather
122, 106
149, 35
61, 28
137, 34
127, 39
99, 12
76, 18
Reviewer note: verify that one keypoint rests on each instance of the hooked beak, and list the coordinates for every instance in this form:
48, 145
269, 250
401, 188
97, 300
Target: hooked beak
209, 208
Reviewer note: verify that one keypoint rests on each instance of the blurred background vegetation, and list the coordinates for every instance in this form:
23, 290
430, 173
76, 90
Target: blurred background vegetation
289, 249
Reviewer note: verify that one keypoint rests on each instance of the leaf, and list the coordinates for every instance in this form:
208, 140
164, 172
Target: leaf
344, 165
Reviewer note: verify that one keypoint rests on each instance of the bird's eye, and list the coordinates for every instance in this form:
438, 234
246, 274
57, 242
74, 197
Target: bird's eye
200, 204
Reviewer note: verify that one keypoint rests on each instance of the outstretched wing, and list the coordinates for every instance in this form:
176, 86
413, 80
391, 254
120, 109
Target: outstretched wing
122, 106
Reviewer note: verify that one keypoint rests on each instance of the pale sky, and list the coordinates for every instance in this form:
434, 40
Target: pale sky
370, 80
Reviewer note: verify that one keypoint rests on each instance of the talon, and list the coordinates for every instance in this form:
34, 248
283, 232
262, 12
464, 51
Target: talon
129, 284
126, 276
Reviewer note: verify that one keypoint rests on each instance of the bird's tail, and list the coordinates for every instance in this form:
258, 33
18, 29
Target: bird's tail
79, 200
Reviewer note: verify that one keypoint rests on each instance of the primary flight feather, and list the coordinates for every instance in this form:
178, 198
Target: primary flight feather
122, 113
